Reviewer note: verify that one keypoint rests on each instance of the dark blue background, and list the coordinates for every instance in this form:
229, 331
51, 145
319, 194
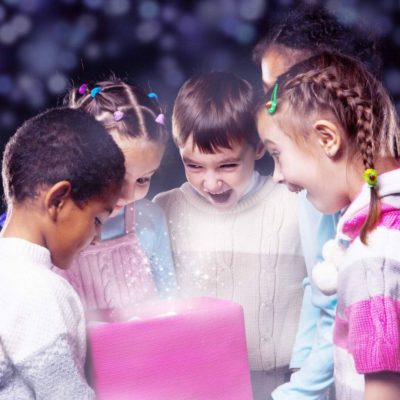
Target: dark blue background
46, 44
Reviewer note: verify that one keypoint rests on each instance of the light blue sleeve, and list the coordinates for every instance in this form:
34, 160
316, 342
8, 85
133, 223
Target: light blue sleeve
152, 230
315, 376
309, 316
313, 349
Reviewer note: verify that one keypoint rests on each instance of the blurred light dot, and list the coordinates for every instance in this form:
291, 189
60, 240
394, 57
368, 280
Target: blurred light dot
168, 42
29, 5
383, 25
148, 31
169, 13
251, 10
57, 83
93, 51
40, 57
8, 119
32, 90
87, 23
112, 49
8, 34
21, 24
148, 9
221, 60
171, 71
396, 36
93, 4
245, 33
188, 25
6, 84
392, 79
67, 60
2, 13
209, 11
117, 7
61, 30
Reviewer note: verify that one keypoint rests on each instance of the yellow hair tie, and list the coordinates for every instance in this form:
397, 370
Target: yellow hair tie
370, 176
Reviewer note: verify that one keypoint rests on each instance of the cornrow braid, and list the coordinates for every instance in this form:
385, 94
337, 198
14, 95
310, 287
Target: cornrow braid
361, 105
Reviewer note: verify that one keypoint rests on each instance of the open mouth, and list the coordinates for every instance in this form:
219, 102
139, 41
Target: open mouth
221, 198
295, 189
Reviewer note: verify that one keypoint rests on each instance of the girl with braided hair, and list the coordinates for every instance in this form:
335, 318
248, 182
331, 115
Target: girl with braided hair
332, 131
132, 260
304, 32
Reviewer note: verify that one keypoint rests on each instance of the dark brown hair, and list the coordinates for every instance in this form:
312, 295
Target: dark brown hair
217, 109
342, 86
308, 30
139, 110
61, 144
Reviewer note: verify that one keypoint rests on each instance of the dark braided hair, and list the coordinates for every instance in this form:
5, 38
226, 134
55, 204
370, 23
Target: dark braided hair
139, 110
342, 86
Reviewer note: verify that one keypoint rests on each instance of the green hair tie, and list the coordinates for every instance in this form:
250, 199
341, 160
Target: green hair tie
370, 176
271, 104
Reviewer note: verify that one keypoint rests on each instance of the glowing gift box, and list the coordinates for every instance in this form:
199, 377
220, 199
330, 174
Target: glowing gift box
192, 349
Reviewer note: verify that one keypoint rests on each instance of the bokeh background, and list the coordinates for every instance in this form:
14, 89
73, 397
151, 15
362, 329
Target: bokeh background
45, 45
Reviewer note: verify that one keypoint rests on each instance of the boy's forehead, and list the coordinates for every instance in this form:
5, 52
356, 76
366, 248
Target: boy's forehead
190, 151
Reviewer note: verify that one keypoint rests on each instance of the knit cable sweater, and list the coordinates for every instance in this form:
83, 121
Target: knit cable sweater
250, 254
367, 326
42, 328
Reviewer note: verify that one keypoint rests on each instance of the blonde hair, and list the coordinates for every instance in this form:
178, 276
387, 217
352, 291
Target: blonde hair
139, 110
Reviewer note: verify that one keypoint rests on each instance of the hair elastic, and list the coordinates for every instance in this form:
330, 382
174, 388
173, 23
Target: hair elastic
272, 103
160, 119
82, 89
118, 115
152, 95
95, 90
370, 176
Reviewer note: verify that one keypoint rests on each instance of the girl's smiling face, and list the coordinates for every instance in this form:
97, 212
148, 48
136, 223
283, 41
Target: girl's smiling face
304, 165
142, 159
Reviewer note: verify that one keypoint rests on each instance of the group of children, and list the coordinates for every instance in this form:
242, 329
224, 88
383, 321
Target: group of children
228, 231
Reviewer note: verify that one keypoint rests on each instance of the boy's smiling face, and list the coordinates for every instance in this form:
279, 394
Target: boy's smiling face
221, 178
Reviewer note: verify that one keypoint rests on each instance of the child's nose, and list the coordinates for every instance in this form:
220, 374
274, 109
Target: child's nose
211, 183
277, 176
128, 193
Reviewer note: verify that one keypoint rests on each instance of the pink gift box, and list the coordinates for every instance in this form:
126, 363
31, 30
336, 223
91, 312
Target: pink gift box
192, 349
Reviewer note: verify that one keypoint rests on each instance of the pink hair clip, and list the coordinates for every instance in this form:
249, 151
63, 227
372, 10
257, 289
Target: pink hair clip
82, 89
118, 115
160, 119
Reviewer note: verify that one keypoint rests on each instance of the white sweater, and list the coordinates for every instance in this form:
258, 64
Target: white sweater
42, 328
250, 254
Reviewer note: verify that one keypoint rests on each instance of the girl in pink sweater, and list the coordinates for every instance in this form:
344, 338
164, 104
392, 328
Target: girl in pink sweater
131, 261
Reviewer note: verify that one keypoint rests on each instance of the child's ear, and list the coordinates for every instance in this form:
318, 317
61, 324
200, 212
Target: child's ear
56, 197
260, 151
329, 137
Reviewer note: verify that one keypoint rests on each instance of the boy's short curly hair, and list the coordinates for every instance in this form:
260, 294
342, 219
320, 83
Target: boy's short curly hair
61, 144
216, 109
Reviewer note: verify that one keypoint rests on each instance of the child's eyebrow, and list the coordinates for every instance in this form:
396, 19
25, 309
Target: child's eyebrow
188, 160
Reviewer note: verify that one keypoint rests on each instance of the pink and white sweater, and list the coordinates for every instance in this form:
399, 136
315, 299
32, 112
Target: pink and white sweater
367, 326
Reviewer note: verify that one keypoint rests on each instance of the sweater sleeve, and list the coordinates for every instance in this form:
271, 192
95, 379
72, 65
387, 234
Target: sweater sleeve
368, 320
309, 316
43, 344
